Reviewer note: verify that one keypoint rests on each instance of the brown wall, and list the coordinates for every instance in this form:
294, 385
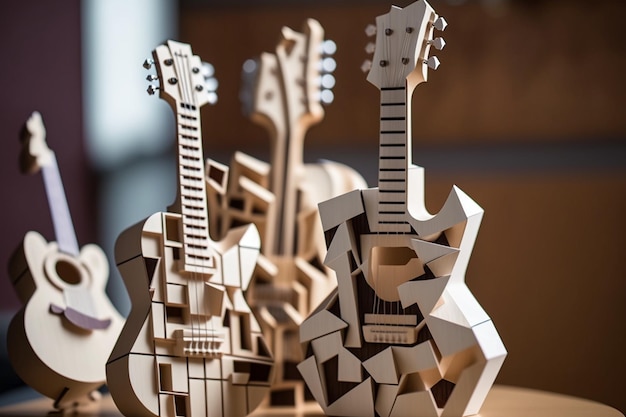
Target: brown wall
526, 115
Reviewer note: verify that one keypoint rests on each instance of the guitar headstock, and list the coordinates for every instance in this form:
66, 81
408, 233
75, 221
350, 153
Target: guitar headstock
183, 77
403, 41
295, 81
35, 152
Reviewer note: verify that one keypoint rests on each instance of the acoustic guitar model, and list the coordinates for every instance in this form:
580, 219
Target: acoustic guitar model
60, 340
284, 92
191, 345
402, 335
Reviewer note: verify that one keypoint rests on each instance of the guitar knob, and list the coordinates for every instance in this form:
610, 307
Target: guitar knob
366, 66
370, 30
152, 90
148, 63
440, 24
438, 43
370, 48
432, 62
152, 77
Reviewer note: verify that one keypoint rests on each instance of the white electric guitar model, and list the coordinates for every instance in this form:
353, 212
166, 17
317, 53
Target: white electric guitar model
402, 335
191, 346
60, 340
284, 92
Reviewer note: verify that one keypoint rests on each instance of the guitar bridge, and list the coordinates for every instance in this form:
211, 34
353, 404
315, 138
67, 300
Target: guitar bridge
391, 329
205, 343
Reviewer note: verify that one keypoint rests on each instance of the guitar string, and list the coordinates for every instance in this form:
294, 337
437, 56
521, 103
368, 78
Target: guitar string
195, 278
200, 284
192, 288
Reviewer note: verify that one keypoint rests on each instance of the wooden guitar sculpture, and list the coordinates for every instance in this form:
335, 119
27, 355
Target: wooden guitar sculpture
191, 345
285, 91
60, 340
402, 335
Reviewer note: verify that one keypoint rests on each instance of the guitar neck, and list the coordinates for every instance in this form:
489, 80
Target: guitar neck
59, 210
191, 202
287, 163
394, 159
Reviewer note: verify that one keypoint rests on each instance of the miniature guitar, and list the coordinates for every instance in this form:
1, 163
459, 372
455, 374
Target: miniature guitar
285, 91
60, 340
191, 345
402, 335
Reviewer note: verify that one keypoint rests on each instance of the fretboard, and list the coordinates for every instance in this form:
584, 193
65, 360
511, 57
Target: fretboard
59, 210
393, 160
193, 204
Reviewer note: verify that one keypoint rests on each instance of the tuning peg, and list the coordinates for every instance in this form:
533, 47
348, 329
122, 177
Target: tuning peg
366, 66
328, 65
432, 62
329, 47
440, 24
438, 43
250, 66
327, 81
152, 77
152, 90
211, 97
207, 70
327, 97
148, 63
370, 48
211, 84
370, 30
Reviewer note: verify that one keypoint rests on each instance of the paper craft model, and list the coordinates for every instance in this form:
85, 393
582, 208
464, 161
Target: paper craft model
285, 94
402, 335
191, 345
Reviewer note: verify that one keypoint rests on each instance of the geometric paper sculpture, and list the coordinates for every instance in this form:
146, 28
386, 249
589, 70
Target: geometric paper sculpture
402, 335
59, 341
191, 345
284, 91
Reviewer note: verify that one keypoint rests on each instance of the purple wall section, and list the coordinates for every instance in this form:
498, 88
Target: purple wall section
40, 69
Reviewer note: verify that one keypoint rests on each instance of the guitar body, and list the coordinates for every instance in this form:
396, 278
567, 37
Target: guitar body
150, 372
434, 350
59, 341
281, 197
402, 335
191, 346
284, 288
54, 342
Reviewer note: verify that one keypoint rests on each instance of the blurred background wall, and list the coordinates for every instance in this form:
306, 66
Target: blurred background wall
525, 114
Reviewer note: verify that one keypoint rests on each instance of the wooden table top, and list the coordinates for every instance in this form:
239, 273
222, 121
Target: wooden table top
502, 401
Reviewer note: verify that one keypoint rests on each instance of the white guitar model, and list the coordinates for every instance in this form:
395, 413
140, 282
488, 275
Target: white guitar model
402, 335
191, 345
60, 340
285, 94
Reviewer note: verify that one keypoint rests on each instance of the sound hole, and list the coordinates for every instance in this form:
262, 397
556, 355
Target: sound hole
68, 272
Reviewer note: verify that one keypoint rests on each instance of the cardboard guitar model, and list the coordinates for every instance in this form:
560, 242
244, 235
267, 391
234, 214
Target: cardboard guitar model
402, 335
59, 341
191, 345
284, 92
